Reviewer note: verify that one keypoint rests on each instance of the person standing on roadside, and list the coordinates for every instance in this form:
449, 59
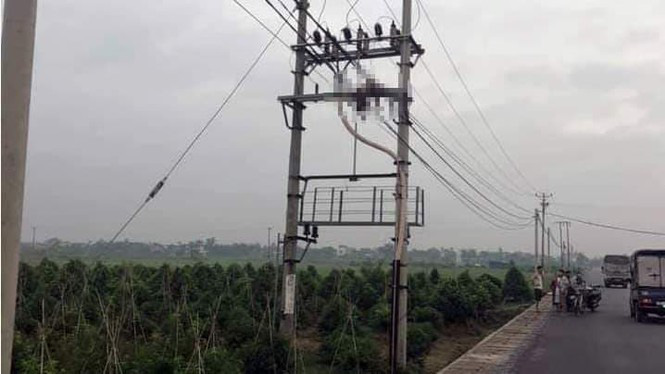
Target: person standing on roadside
537, 280
555, 287
564, 284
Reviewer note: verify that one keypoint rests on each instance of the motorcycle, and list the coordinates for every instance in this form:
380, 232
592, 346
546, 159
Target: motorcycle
591, 297
574, 300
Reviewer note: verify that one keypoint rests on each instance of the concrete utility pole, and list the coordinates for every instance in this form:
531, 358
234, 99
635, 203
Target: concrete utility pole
561, 243
549, 245
287, 326
18, 41
536, 216
400, 265
269, 246
34, 237
543, 205
568, 242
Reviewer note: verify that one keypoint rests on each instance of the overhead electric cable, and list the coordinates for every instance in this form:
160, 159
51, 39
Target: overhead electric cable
458, 194
606, 226
467, 127
155, 190
285, 44
465, 166
449, 102
456, 140
471, 97
466, 181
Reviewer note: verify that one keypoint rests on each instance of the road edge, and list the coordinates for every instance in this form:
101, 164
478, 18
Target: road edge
497, 352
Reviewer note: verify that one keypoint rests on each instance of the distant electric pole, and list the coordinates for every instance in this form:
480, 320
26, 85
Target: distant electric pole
549, 244
543, 205
269, 245
535, 242
565, 246
568, 242
34, 235
562, 245
18, 41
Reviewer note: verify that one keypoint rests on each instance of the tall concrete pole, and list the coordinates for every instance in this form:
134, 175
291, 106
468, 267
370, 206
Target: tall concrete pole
403, 182
568, 242
563, 245
18, 41
542, 232
287, 326
543, 205
269, 246
549, 246
535, 243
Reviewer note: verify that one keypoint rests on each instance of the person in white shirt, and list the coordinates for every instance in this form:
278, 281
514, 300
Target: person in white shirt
537, 280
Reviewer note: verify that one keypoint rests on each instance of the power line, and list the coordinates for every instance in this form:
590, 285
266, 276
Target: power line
457, 114
466, 181
471, 204
467, 167
155, 190
275, 35
466, 126
472, 172
606, 226
471, 97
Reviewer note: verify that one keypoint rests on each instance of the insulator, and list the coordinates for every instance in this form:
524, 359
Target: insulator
317, 37
347, 34
328, 42
393, 33
378, 30
335, 50
315, 232
305, 230
360, 34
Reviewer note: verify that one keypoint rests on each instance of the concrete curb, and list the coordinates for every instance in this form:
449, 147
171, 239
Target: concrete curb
496, 352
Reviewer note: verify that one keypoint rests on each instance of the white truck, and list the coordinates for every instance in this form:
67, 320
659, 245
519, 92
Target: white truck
616, 270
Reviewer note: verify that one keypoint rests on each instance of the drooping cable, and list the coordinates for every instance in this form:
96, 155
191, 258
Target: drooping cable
458, 194
464, 149
471, 97
285, 44
155, 190
462, 121
466, 181
607, 226
454, 110
465, 166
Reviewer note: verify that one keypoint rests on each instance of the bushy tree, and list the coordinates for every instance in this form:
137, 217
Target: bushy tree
515, 287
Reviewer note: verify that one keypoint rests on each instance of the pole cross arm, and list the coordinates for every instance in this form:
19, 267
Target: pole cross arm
343, 96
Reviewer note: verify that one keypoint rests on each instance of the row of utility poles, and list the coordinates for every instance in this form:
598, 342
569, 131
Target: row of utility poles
539, 222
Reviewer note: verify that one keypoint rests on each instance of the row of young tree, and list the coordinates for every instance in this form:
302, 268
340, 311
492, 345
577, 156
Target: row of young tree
209, 318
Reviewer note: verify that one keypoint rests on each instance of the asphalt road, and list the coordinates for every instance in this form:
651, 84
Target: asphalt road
606, 341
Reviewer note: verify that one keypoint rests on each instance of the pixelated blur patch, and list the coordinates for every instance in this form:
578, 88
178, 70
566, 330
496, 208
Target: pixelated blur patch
365, 105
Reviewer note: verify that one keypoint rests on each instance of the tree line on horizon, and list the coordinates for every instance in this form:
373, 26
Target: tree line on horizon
210, 248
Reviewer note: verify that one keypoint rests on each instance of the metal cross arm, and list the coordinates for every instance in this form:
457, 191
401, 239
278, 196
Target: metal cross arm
342, 96
358, 53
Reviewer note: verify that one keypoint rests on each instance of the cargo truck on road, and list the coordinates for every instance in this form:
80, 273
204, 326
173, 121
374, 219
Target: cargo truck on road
616, 270
647, 289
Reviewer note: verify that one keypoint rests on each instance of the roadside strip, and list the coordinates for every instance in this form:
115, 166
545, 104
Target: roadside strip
497, 352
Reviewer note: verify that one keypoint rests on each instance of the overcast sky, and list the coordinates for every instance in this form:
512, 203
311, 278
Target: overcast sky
573, 89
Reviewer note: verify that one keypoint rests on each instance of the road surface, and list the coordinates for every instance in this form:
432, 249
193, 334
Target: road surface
607, 341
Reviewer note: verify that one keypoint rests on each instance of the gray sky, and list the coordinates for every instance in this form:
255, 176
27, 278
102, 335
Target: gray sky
573, 89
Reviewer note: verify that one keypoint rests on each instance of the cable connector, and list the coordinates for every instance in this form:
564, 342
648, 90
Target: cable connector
156, 189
